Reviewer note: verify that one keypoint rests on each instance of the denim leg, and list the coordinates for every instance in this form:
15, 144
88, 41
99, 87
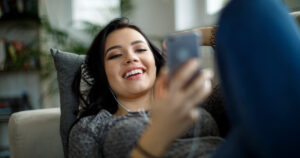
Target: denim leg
258, 56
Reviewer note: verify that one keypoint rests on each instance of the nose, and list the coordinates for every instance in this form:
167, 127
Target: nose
131, 57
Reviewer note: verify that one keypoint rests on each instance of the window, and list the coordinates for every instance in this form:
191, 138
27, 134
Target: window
95, 11
214, 6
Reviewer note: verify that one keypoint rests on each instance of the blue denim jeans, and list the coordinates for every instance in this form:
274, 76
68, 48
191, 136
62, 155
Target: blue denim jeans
258, 57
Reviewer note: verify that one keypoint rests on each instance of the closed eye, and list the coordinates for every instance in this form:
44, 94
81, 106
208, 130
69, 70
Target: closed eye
114, 56
140, 50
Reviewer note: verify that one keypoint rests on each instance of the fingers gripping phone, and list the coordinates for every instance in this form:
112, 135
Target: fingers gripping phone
181, 48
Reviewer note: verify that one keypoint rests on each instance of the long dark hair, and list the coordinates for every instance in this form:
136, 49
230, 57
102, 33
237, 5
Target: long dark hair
100, 96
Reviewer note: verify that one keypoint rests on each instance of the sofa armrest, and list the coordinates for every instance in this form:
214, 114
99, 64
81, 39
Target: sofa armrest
35, 133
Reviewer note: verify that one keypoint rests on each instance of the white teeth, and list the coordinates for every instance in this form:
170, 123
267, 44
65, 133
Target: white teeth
133, 72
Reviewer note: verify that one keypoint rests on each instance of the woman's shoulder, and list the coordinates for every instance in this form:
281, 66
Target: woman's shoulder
93, 124
86, 136
98, 125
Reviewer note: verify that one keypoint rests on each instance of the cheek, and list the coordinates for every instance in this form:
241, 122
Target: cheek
153, 63
152, 66
110, 71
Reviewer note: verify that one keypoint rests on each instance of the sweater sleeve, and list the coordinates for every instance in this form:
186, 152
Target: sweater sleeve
83, 144
121, 139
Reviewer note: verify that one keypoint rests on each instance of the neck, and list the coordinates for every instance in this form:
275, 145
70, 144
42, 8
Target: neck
134, 103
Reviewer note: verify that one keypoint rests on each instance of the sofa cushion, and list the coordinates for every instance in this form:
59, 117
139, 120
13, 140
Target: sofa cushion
35, 133
66, 65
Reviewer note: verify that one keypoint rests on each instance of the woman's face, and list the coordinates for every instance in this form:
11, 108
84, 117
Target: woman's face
129, 63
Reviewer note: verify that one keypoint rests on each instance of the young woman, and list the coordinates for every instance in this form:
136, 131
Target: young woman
129, 110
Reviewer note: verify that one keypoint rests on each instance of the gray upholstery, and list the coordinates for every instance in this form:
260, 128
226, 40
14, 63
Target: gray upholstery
66, 65
35, 133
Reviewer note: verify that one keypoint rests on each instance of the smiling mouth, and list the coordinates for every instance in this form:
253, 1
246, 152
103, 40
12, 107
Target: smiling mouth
132, 73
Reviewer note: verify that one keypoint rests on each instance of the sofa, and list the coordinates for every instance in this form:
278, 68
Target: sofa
36, 133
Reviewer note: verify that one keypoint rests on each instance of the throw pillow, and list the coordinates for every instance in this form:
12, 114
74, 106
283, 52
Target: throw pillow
66, 65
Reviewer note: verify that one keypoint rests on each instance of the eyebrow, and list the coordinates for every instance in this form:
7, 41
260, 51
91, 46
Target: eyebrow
136, 42
118, 46
113, 47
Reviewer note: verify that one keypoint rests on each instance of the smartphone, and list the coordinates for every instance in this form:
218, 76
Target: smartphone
181, 48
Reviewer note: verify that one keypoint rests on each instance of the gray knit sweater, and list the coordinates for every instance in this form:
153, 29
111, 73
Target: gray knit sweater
107, 136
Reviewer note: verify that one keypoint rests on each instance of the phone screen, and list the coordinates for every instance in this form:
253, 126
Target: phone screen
181, 48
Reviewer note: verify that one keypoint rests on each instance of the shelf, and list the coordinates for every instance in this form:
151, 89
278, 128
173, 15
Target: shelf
20, 71
21, 42
4, 153
15, 17
4, 118
10, 24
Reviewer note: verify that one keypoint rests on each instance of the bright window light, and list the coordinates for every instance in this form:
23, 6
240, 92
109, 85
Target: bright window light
214, 6
95, 11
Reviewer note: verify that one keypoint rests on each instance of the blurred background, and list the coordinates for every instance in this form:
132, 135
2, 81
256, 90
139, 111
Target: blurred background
29, 28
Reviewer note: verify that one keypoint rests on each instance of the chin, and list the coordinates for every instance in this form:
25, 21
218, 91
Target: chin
139, 89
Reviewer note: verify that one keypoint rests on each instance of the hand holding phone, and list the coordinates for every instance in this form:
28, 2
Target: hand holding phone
181, 48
